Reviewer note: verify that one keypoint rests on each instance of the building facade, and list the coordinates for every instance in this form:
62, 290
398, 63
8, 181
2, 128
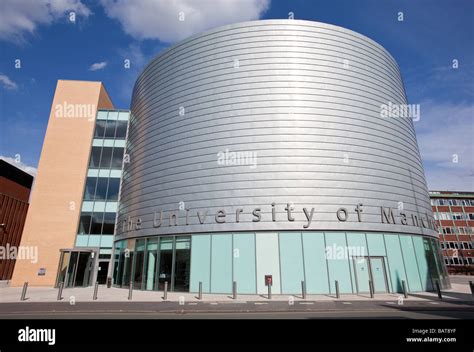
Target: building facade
454, 214
15, 187
255, 154
79, 147
259, 153
79, 266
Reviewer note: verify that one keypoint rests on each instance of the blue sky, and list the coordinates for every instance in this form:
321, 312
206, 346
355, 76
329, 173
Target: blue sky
106, 32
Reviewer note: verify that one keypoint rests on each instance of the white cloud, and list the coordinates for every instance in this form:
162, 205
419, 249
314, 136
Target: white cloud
159, 19
98, 66
18, 164
7, 83
444, 134
20, 17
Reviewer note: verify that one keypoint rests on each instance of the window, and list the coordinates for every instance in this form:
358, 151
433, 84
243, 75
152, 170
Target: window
456, 261
444, 216
471, 216
95, 157
90, 188
84, 223
106, 157
114, 185
470, 260
117, 158
110, 129
446, 261
99, 129
121, 130
96, 224
109, 224
442, 245
101, 191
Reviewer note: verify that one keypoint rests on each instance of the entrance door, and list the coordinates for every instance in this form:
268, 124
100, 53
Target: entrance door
75, 268
102, 272
377, 269
182, 264
370, 268
362, 273
83, 270
166, 263
71, 270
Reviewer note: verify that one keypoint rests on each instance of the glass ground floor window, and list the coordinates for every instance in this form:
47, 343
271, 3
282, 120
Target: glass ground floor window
356, 262
151, 263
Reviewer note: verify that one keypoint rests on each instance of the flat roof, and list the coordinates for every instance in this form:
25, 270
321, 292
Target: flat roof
15, 174
451, 194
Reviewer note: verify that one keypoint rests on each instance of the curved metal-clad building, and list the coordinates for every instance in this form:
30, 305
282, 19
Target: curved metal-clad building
261, 149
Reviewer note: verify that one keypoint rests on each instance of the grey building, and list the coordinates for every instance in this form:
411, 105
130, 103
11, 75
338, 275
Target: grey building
274, 151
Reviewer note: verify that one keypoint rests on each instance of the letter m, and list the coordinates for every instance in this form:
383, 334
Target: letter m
387, 215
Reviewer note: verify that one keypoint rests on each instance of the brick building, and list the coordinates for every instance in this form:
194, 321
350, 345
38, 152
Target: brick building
454, 214
15, 187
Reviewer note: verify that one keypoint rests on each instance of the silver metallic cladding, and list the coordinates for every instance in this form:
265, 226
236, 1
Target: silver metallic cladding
292, 101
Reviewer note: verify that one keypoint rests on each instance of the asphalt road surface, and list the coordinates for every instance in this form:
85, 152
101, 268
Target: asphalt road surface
239, 310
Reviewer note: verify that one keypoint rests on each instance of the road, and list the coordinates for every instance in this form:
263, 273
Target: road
239, 310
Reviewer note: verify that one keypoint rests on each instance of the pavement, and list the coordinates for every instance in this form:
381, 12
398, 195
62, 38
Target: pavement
42, 302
